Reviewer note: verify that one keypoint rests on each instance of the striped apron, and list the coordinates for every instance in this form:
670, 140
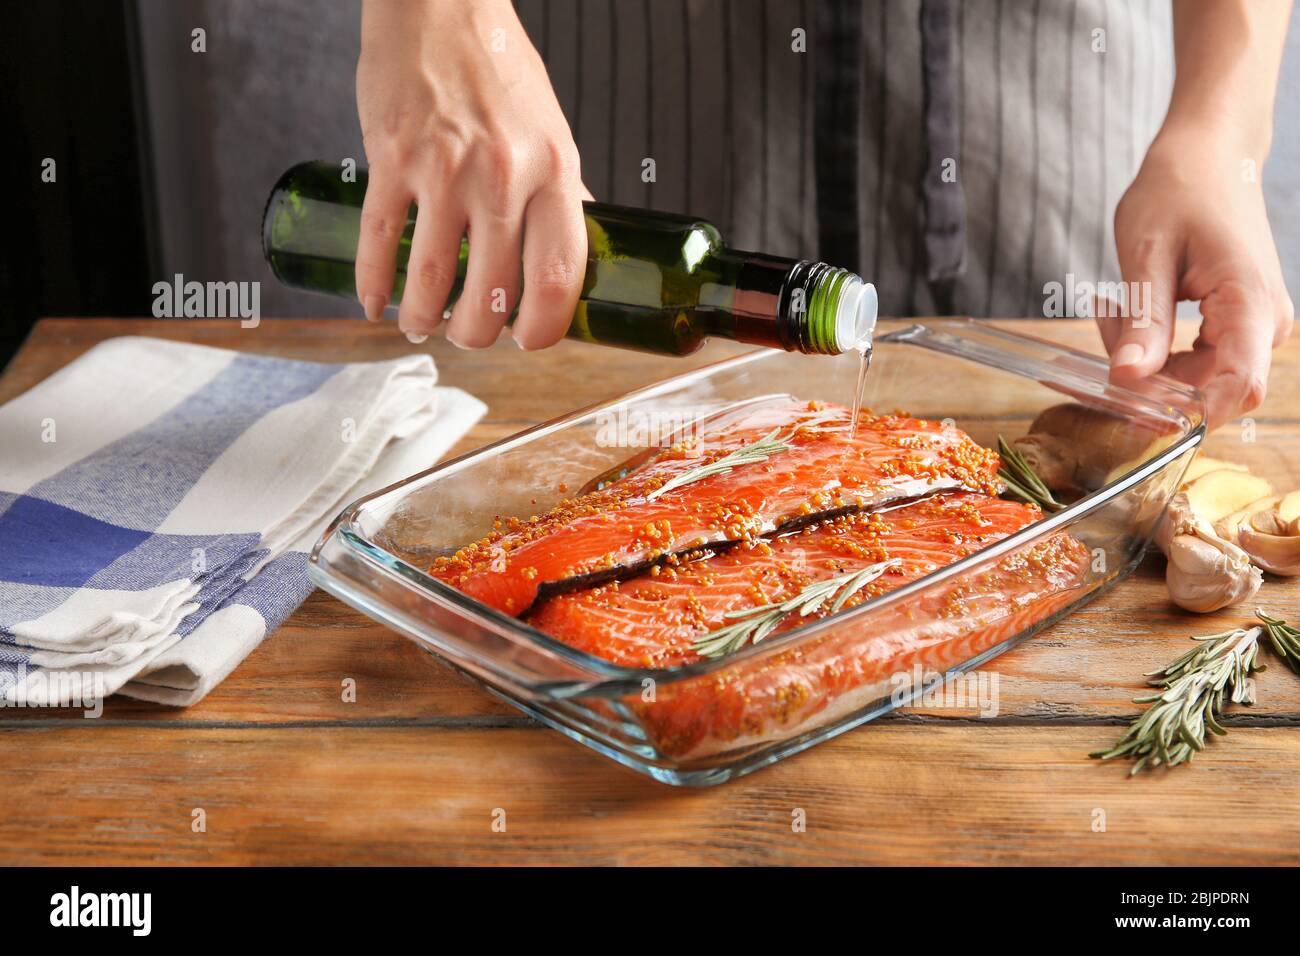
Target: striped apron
960, 155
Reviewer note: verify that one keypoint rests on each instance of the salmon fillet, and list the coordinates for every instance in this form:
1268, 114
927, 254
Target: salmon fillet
806, 688
654, 621
628, 525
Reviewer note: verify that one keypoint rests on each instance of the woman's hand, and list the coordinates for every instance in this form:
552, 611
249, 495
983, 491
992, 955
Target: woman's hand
1193, 226
458, 116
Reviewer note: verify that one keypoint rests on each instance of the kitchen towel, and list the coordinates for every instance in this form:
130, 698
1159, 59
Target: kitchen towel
158, 501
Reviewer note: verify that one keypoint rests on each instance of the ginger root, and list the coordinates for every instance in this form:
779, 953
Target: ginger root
1204, 464
1074, 447
1216, 494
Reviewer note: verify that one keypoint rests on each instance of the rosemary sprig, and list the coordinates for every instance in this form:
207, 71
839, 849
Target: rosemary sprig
755, 623
1285, 639
1173, 729
1021, 480
750, 454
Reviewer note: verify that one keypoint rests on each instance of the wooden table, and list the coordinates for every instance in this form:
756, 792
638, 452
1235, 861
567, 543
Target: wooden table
412, 771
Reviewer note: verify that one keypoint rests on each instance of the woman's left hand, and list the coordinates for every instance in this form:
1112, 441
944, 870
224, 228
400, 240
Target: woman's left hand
1193, 226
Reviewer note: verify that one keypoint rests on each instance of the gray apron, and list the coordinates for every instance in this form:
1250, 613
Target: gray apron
960, 155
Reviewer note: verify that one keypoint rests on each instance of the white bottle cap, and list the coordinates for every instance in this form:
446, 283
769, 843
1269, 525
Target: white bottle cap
855, 316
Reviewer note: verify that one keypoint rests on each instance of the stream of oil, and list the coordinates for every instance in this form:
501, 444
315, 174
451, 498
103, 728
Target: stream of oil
864, 365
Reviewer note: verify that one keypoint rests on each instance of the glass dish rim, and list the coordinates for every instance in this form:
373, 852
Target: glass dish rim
618, 677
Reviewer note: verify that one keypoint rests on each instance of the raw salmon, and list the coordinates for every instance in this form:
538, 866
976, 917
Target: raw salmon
630, 524
810, 685
656, 620
653, 619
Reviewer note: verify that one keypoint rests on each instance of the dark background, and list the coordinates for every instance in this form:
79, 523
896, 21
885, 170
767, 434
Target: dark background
164, 156
86, 244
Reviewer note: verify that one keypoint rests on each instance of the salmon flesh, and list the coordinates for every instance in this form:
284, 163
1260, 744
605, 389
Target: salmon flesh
630, 525
646, 570
656, 620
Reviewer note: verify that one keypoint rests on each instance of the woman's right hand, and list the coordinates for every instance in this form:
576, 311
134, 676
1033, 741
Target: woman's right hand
458, 116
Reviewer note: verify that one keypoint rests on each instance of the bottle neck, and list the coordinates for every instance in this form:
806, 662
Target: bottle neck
799, 305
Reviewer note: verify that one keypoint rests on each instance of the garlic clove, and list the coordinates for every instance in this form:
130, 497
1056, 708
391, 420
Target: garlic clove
1178, 519
1229, 526
1288, 511
1271, 543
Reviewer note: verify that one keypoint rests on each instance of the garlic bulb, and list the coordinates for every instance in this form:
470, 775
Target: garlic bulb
1205, 572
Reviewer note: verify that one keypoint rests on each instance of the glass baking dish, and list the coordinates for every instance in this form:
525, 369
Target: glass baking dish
376, 553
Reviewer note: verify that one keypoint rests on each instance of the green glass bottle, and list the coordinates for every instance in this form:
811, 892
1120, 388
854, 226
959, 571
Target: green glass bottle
655, 281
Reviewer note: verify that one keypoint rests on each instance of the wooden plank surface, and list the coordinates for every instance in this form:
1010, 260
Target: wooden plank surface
403, 774
884, 794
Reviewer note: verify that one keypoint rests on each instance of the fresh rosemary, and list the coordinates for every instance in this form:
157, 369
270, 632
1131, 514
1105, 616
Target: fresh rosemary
755, 623
750, 454
1285, 639
1173, 729
1021, 480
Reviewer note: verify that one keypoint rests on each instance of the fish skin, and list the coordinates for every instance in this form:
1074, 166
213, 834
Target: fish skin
619, 530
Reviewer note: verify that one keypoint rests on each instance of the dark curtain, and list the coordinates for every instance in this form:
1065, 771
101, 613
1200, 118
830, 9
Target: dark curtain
84, 244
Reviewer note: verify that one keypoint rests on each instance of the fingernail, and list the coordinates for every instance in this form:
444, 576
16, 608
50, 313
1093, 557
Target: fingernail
416, 338
374, 306
411, 324
1128, 354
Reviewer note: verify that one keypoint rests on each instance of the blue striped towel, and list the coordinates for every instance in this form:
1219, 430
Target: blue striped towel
158, 501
